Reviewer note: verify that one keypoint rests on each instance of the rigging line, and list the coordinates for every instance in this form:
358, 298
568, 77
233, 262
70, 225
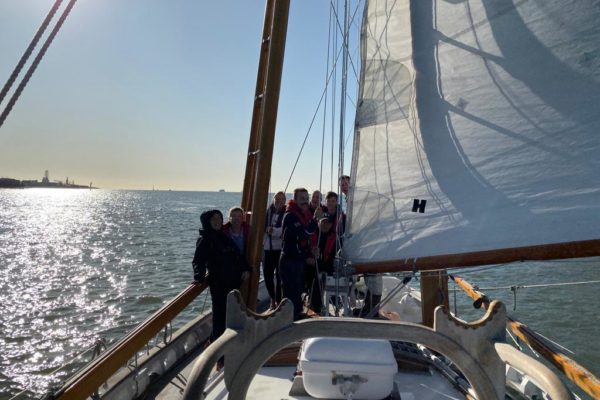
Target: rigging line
355, 73
343, 90
29, 50
352, 131
515, 340
343, 93
354, 69
483, 268
333, 96
348, 138
304, 142
337, 18
352, 20
312, 122
543, 285
462, 270
346, 34
36, 62
560, 346
349, 58
325, 106
348, 97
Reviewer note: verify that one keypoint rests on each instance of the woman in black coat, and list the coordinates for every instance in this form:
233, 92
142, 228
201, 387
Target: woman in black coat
226, 266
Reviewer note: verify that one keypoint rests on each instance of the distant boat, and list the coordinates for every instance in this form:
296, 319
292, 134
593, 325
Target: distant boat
221, 190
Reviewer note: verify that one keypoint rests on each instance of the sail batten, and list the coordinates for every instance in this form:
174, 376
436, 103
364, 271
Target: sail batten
477, 130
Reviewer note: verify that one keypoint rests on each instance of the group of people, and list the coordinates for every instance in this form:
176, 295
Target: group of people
301, 239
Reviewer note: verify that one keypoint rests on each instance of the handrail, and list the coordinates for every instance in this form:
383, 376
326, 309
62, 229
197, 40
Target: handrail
540, 373
87, 381
575, 372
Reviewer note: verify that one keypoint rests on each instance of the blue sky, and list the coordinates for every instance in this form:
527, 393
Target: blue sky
138, 93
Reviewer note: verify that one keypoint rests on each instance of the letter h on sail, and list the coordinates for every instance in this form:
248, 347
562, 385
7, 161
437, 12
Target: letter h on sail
419, 205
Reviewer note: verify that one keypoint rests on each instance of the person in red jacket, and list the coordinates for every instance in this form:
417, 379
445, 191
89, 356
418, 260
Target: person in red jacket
297, 248
332, 222
333, 212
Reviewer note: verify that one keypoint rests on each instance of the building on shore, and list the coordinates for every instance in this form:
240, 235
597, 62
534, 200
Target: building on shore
10, 183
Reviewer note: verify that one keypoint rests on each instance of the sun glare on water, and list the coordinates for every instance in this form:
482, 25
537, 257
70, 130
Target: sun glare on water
54, 279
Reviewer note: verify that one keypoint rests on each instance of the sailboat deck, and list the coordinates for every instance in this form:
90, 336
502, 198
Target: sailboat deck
277, 383
419, 376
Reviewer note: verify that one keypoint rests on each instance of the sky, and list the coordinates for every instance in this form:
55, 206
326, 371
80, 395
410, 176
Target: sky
136, 94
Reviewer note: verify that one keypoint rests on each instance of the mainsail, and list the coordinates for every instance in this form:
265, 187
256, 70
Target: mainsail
477, 129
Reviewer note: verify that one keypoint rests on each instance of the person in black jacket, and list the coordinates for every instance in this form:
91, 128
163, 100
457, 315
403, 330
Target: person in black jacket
226, 266
297, 252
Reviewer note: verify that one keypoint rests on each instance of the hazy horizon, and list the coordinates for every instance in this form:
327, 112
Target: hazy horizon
130, 95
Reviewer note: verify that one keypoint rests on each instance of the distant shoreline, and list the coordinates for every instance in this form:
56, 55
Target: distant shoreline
9, 183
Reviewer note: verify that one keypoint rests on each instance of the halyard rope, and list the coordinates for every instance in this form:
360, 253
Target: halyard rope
35, 63
513, 287
29, 50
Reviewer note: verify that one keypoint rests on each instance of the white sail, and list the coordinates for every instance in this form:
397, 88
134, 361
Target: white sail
488, 110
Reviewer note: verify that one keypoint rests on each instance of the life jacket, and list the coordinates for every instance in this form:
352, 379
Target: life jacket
304, 228
303, 216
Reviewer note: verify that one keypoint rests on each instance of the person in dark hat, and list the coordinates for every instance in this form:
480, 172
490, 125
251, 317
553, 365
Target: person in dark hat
218, 254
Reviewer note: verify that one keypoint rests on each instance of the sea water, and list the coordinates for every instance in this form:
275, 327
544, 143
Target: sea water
80, 265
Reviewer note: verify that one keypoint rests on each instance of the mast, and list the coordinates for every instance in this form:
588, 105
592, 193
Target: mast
265, 137
255, 125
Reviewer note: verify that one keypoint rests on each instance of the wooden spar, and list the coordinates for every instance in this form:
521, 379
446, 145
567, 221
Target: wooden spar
257, 110
88, 380
266, 141
578, 374
574, 371
480, 298
555, 251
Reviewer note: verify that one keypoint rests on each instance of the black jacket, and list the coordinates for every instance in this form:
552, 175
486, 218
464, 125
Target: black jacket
218, 254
